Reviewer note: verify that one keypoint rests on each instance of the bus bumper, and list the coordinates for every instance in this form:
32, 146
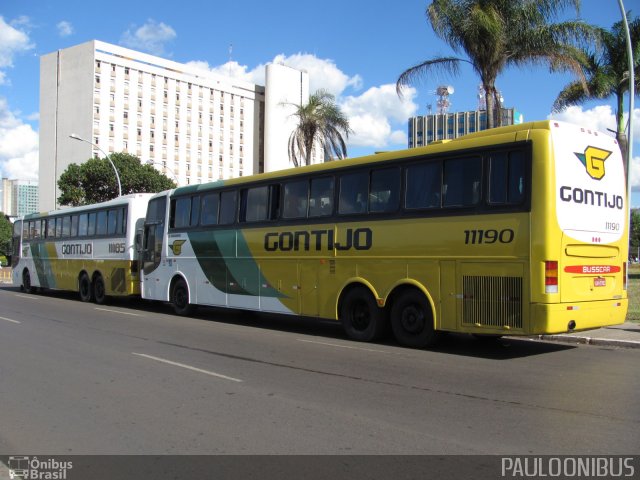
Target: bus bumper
558, 318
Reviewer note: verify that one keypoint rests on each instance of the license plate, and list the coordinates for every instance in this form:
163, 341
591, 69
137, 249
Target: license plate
599, 282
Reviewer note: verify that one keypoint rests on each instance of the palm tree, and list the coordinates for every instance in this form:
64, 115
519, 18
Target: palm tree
496, 34
321, 121
607, 73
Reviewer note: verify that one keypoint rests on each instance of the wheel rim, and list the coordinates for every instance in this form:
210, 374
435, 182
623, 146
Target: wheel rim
413, 319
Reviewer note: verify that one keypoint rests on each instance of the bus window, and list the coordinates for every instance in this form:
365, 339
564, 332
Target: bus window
59, 227
195, 211
424, 185
228, 207
506, 178
112, 221
180, 211
74, 226
255, 202
51, 228
37, 229
385, 190
66, 226
101, 223
296, 199
321, 198
461, 182
91, 228
354, 190
83, 224
209, 214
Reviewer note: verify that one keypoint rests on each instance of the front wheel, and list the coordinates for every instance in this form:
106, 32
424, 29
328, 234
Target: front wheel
180, 298
412, 320
361, 317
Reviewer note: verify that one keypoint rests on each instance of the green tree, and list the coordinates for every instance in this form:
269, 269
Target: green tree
95, 181
607, 74
634, 233
320, 120
496, 34
6, 231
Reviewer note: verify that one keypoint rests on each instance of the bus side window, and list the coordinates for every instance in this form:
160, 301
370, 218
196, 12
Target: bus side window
101, 223
296, 199
506, 178
83, 224
321, 197
354, 191
194, 217
51, 228
461, 185
254, 203
91, 227
424, 185
385, 190
74, 226
228, 201
66, 226
59, 227
180, 212
209, 213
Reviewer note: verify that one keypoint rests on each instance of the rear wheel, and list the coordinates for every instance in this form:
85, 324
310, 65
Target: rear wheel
99, 290
361, 317
412, 320
84, 288
180, 298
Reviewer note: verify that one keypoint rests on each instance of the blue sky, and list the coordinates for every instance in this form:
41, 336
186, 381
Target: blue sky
354, 48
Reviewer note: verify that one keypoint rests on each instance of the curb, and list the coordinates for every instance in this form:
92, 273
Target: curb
583, 340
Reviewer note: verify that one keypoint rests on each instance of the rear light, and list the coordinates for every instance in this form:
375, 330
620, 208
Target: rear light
624, 276
551, 276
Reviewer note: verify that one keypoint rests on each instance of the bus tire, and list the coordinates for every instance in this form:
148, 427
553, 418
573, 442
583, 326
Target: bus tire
26, 282
361, 318
99, 290
84, 288
180, 298
412, 320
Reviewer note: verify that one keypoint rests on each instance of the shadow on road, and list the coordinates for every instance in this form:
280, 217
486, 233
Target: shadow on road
504, 348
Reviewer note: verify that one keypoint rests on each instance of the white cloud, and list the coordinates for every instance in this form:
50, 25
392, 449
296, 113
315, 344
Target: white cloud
64, 28
18, 146
376, 115
13, 41
150, 37
230, 70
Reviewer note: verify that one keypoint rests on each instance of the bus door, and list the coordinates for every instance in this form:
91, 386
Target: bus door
152, 249
16, 244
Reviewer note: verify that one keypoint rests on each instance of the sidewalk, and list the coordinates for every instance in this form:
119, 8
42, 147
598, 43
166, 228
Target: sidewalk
626, 335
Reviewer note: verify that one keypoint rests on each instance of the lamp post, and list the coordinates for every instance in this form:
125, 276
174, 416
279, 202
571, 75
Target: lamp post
80, 139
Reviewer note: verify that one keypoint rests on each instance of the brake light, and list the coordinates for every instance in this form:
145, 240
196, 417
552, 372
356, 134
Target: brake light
550, 276
624, 275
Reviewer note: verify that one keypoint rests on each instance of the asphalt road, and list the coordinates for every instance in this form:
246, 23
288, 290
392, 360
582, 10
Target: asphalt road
131, 378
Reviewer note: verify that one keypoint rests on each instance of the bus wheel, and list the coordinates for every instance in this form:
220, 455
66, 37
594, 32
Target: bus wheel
84, 288
361, 317
26, 282
180, 298
412, 320
99, 291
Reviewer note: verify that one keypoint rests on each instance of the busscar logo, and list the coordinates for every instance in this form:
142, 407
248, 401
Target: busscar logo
176, 246
593, 160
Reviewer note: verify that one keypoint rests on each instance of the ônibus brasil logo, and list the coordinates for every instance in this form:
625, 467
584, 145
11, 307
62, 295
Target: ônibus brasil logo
593, 159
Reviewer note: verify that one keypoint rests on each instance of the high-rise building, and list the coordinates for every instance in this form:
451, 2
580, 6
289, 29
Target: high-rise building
442, 126
19, 197
192, 125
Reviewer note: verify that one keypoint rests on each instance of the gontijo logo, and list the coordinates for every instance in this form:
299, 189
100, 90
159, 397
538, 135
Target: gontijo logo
593, 159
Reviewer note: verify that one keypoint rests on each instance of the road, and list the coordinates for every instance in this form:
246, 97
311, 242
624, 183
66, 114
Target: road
131, 378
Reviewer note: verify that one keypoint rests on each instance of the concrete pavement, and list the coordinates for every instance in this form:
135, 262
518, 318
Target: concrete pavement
626, 335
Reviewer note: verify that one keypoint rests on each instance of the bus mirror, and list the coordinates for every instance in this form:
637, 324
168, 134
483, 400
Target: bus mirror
139, 240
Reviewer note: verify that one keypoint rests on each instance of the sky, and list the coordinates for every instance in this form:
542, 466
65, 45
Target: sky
355, 49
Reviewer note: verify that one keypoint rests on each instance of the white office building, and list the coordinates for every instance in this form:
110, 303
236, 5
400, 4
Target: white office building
18, 197
193, 126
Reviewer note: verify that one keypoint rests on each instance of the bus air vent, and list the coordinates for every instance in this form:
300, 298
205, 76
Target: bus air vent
492, 301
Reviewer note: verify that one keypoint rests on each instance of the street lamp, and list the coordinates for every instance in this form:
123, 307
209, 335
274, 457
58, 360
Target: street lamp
80, 139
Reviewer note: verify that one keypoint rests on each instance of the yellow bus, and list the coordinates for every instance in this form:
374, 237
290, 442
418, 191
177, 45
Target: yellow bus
518, 230
89, 249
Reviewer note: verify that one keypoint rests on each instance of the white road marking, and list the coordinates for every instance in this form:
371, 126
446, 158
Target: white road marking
9, 320
118, 311
343, 346
188, 367
31, 297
